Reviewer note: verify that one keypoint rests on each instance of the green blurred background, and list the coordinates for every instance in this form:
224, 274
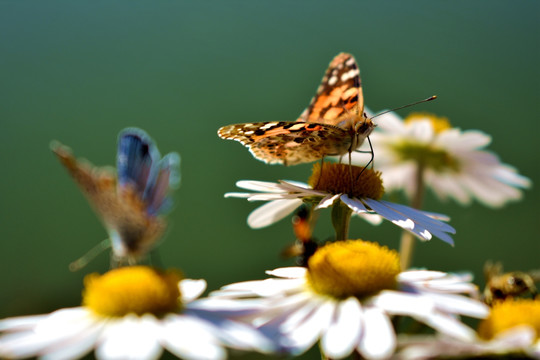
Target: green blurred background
81, 71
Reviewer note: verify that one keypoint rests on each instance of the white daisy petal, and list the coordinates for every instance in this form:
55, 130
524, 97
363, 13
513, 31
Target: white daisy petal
448, 325
401, 303
303, 336
288, 272
354, 204
327, 201
300, 314
22, 345
20, 322
399, 219
458, 304
131, 337
266, 287
77, 346
270, 197
420, 217
224, 307
422, 131
189, 338
237, 195
261, 186
298, 188
422, 225
277, 314
191, 289
420, 275
344, 332
272, 212
379, 339
373, 219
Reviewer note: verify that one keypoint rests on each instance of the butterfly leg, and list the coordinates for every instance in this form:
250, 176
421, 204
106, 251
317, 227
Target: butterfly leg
350, 171
320, 174
372, 155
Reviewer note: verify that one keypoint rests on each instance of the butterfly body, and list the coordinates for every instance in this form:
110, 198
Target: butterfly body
332, 125
131, 203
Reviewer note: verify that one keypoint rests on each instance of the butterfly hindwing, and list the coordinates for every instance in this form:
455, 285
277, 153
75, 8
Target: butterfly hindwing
168, 177
288, 143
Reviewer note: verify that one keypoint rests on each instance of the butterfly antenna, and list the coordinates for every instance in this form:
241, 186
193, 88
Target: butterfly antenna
405, 106
90, 255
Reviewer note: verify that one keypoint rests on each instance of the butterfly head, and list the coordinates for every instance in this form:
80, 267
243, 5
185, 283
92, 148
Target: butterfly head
364, 127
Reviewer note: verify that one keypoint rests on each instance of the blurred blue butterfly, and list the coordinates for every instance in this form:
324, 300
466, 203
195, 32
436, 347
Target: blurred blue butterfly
132, 203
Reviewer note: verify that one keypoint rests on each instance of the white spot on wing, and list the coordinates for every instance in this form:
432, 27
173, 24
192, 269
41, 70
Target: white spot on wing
350, 74
332, 80
297, 127
268, 126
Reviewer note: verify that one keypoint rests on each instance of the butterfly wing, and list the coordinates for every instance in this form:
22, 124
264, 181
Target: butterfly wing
141, 168
97, 184
137, 160
289, 143
339, 97
157, 196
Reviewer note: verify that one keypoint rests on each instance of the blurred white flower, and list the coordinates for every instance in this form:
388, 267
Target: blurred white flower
347, 296
454, 163
512, 329
334, 186
129, 313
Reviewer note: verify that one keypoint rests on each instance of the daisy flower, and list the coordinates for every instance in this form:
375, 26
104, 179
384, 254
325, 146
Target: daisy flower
512, 328
333, 187
425, 150
129, 313
347, 296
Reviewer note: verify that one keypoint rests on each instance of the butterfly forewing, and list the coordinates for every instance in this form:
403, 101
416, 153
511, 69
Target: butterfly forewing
339, 95
136, 160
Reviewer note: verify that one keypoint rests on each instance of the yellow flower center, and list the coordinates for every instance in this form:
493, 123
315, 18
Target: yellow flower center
336, 179
132, 289
439, 123
510, 313
353, 268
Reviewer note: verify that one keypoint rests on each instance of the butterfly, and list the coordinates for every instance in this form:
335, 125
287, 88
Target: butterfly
332, 125
132, 202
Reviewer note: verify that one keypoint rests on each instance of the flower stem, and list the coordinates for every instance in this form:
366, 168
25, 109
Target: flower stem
407, 238
341, 217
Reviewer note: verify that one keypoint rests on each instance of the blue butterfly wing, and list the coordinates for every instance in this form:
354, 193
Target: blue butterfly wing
139, 165
168, 177
137, 159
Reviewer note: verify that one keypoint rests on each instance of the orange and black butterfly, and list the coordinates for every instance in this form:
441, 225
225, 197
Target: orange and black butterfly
333, 124
132, 202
